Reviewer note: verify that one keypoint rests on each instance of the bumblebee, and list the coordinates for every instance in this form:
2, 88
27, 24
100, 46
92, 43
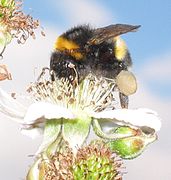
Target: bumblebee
101, 52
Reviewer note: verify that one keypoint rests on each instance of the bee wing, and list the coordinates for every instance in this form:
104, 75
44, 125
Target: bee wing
108, 32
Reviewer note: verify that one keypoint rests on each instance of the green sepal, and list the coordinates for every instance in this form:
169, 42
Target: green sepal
76, 131
2, 41
107, 136
33, 173
37, 170
51, 136
5, 38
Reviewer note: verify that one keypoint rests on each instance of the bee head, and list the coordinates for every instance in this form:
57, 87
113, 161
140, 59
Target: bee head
64, 69
73, 41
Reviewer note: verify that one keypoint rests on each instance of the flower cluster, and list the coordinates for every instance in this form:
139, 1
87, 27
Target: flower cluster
14, 23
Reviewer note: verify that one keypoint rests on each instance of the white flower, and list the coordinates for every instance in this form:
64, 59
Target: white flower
73, 109
141, 117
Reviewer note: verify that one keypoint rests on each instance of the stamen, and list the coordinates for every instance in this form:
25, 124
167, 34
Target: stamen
92, 94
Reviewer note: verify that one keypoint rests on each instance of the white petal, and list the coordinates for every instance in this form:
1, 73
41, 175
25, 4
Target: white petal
135, 117
32, 133
11, 107
47, 111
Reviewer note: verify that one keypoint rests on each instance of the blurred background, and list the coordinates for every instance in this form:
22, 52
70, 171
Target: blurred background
150, 48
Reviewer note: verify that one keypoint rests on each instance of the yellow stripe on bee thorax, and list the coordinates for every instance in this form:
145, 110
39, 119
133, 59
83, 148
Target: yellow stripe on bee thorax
63, 44
120, 48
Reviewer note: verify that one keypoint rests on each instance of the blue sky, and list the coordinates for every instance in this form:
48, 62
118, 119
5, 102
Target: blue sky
150, 42
154, 16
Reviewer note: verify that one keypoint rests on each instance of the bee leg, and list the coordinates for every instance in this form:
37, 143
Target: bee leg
124, 100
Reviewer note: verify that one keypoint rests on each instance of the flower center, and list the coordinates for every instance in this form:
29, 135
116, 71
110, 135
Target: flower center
91, 95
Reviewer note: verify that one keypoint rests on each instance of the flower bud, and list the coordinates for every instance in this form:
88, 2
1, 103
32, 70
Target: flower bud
133, 146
